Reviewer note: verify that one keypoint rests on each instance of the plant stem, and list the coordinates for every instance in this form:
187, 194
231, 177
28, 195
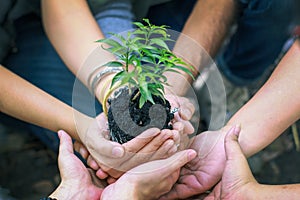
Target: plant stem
127, 59
104, 107
135, 96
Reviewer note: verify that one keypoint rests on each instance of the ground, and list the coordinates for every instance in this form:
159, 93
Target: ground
27, 168
29, 171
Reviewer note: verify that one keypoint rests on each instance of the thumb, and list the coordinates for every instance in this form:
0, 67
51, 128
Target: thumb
109, 148
66, 145
98, 144
181, 158
232, 147
165, 167
176, 161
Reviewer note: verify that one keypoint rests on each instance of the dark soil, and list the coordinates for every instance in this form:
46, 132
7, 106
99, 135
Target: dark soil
126, 120
29, 171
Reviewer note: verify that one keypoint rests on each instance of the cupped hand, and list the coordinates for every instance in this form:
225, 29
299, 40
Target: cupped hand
149, 180
204, 171
150, 145
237, 179
76, 181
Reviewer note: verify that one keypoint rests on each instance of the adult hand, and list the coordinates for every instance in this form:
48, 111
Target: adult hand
203, 172
76, 180
237, 179
152, 144
93, 135
149, 180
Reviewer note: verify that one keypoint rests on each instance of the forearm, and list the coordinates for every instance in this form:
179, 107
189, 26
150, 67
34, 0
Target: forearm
73, 31
291, 191
203, 35
209, 23
274, 108
26, 102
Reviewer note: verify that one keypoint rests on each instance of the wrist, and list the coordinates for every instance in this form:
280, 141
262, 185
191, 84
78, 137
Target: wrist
104, 75
83, 124
251, 191
102, 88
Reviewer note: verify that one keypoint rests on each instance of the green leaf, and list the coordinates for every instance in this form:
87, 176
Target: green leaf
184, 69
113, 64
142, 101
139, 24
127, 78
140, 32
120, 37
145, 49
110, 42
147, 59
159, 42
119, 76
155, 86
147, 21
145, 92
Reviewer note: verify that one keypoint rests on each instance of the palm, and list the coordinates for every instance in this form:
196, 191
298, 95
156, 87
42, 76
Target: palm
75, 176
203, 172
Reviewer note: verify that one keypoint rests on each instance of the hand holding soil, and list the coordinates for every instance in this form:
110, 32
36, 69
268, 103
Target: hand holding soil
152, 144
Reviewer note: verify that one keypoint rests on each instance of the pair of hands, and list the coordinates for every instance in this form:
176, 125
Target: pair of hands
147, 181
152, 179
219, 158
111, 159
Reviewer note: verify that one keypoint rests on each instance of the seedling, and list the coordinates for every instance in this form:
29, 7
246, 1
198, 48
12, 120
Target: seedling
144, 57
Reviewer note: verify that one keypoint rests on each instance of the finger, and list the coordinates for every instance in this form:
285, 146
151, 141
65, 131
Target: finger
101, 174
66, 145
179, 128
111, 180
184, 137
101, 120
169, 165
114, 173
140, 158
81, 150
188, 127
108, 148
97, 140
177, 136
186, 110
92, 163
232, 147
165, 151
141, 140
157, 141
181, 159
97, 182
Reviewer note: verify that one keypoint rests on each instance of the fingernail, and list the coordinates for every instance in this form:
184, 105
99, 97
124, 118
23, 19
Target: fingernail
191, 155
117, 152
